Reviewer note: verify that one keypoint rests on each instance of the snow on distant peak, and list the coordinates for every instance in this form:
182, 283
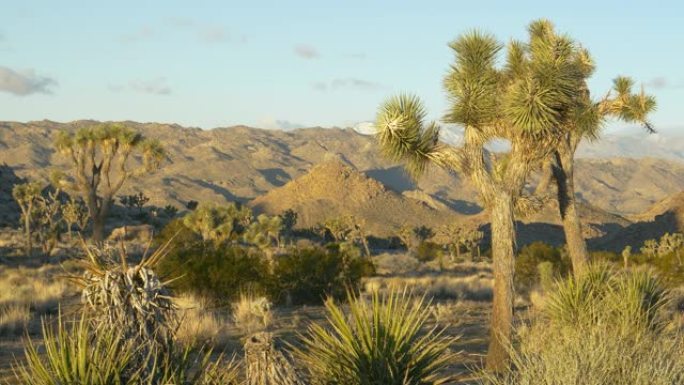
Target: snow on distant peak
365, 128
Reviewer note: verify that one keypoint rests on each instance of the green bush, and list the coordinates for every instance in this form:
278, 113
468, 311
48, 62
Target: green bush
428, 251
380, 341
670, 266
530, 256
217, 274
310, 275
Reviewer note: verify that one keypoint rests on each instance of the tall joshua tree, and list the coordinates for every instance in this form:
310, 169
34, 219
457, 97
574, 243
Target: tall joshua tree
100, 159
523, 102
620, 103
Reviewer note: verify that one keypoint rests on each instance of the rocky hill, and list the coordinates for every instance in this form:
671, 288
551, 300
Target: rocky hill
333, 188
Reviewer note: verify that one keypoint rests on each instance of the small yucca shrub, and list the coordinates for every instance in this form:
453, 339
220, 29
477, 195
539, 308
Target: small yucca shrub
378, 342
77, 355
602, 328
81, 353
129, 298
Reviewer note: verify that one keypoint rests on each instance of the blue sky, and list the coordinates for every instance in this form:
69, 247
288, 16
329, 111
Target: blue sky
297, 63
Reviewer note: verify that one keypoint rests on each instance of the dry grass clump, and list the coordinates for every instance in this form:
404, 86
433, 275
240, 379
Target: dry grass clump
252, 312
200, 325
41, 289
14, 319
442, 286
393, 264
602, 328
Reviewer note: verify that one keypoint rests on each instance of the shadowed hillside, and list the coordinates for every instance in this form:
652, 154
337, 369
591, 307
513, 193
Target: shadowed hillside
241, 163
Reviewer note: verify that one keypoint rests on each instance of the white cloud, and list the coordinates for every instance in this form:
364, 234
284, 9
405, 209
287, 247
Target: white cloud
306, 51
661, 82
143, 33
156, 86
24, 83
279, 124
213, 34
353, 83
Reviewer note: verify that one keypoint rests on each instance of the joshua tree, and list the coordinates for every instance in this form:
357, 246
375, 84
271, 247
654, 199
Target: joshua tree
138, 201
650, 248
584, 121
670, 243
526, 102
27, 196
218, 224
405, 235
170, 211
99, 156
49, 221
264, 232
423, 233
74, 212
471, 241
347, 229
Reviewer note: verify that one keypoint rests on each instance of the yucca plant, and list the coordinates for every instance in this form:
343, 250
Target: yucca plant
130, 298
382, 341
604, 295
604, 328
83, 354
77, 355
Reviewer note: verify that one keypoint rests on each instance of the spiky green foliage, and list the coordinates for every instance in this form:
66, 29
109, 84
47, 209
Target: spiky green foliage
612, 330
76, 355
99, 157
75, 213
27, 195
376, 342
264, 232
86, 354
404, 135
603, 295
219, 224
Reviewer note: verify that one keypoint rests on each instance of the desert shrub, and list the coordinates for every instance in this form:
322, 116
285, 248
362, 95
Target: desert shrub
669, 266
601, 328
428, 251
86, 354
605, 256
200, 324
376, 342
14, 319
252, 312
310, 275
396, 263
217, 274
530, 256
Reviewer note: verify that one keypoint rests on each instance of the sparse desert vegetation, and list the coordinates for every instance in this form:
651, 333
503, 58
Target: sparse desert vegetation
122, 262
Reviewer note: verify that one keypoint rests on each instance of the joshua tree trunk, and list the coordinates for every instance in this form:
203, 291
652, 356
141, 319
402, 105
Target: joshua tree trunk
563, 173
27, 232
503, 253
99, 213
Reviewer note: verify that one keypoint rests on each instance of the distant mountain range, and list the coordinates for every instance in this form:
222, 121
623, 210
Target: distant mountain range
327, 172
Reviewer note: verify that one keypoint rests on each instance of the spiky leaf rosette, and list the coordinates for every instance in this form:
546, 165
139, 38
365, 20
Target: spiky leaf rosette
129, 298
404, 136
376, 342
